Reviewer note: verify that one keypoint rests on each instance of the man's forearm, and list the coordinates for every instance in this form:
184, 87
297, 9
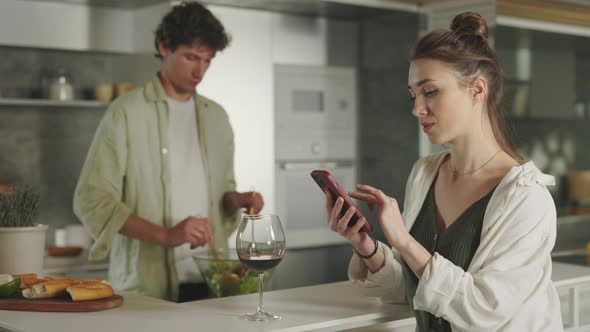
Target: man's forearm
141, 229
232, 201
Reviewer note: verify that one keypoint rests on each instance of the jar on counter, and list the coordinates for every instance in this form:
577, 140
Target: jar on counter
60, 86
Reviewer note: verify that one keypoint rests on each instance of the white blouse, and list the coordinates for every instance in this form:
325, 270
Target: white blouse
507, 286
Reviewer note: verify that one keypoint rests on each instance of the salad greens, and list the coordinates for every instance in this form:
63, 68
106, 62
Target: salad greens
233, 280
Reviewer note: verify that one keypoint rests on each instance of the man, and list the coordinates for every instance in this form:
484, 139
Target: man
158, 180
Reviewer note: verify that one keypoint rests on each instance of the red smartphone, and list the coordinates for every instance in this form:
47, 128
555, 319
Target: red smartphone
327, 182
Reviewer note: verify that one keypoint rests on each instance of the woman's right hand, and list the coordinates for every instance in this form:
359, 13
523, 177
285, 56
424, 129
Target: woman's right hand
340, 225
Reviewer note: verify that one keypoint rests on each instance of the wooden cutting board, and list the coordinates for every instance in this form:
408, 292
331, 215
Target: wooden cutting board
60, 304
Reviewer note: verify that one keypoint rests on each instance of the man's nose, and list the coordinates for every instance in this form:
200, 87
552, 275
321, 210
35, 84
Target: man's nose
200, 68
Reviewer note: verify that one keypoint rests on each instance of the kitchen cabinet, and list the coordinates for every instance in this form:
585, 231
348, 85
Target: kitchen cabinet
546, 72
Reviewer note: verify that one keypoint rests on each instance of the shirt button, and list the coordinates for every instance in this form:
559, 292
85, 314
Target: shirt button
164, 151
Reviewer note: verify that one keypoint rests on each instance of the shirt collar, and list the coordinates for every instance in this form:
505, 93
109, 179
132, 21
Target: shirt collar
154, 92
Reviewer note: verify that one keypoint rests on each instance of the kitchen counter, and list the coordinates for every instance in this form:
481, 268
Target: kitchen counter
322, 307
328, 307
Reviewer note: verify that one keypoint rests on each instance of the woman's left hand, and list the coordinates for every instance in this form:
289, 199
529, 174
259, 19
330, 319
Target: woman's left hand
390, 216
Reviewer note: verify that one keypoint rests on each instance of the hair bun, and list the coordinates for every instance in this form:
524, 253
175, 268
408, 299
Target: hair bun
470, 23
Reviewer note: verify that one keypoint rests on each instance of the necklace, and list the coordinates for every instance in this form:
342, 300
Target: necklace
473, 171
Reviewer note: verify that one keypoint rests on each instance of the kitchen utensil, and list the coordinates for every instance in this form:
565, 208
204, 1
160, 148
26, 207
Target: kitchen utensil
579, 186
60, 237
122, 88
60, 86
103, 92
64, 251
76, 235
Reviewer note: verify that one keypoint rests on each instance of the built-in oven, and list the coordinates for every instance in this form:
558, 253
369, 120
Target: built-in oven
302, 206
315, 128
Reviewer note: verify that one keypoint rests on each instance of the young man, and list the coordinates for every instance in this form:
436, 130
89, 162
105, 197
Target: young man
158, 180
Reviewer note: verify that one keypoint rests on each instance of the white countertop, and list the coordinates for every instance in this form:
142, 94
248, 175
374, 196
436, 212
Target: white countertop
567, 275
322, 307
328, 307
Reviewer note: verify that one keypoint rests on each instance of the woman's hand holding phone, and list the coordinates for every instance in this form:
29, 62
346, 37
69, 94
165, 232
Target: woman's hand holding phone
360, 240
340, 225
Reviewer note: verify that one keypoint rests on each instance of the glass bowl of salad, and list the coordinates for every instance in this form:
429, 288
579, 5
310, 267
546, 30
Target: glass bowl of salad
225, 275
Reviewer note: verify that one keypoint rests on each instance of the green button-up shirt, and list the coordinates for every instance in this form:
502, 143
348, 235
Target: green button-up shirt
127, 171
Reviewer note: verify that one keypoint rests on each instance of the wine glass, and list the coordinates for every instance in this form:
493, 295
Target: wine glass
261, 245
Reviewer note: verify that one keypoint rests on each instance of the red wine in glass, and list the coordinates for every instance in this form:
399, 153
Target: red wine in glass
261, 246
260, 263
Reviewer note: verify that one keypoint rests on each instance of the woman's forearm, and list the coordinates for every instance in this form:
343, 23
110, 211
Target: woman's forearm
414, 254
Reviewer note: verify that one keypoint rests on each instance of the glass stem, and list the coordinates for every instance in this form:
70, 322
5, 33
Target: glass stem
260, 284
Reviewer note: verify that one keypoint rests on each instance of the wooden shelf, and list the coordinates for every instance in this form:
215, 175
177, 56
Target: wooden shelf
51, 103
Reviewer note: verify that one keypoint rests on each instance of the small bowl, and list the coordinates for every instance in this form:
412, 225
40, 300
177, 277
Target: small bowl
64, 251
235, 279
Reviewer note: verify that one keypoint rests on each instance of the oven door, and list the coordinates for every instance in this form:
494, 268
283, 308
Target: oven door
301, 204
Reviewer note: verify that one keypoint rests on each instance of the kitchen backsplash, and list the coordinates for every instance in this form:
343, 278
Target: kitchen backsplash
22, 70
45, 146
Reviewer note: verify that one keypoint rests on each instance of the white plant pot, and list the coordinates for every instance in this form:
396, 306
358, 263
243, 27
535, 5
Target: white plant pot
22, 249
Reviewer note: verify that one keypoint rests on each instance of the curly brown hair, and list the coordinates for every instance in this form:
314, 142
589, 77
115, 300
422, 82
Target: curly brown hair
187, 23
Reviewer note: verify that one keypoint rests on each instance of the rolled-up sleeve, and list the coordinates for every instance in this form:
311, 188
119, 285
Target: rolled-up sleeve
514, 271
98, 195
230, 218
388, 283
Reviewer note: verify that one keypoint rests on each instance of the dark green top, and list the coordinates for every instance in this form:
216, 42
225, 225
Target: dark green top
457, 243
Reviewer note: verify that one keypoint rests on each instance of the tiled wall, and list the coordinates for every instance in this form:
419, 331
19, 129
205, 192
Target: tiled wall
388, 133
43, 146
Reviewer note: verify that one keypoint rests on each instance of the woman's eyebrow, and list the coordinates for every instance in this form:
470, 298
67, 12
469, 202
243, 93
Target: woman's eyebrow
422, 82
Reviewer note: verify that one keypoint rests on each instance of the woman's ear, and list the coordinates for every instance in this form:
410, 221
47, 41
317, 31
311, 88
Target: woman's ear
479, 88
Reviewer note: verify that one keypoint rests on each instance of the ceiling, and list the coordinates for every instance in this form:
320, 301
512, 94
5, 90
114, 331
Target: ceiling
346, 9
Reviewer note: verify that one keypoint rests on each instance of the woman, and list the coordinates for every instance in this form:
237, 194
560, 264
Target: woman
471, 251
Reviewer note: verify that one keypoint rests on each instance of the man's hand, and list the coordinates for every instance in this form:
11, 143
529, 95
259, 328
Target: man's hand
251, 201
196, 231
5, 187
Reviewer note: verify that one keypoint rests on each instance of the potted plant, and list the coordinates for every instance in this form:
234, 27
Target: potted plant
22, 241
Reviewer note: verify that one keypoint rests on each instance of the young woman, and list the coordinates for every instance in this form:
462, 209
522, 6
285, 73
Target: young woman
471, 252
